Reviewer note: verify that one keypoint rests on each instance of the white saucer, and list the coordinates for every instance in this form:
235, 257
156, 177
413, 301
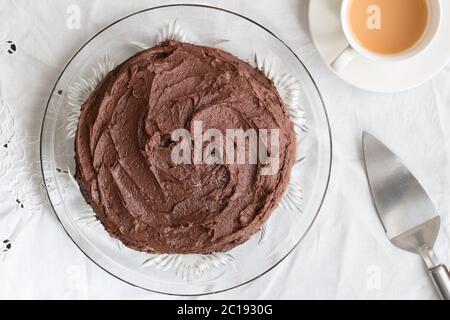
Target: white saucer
329, 39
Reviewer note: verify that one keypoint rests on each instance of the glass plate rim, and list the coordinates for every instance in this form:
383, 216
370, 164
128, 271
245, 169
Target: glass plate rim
330, 140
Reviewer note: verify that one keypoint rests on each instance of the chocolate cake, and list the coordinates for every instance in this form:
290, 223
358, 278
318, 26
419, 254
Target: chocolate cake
123, 150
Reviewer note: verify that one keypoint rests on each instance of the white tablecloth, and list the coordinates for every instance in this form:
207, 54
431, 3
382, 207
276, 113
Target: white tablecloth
345, 255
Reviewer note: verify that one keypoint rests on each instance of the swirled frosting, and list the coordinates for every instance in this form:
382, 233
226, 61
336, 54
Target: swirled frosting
123, 150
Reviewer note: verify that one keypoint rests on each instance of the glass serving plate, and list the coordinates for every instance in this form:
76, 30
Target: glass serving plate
188, 274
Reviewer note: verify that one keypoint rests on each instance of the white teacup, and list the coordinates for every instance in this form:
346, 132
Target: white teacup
354, 47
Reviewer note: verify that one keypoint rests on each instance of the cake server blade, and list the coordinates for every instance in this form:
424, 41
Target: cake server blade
410, 220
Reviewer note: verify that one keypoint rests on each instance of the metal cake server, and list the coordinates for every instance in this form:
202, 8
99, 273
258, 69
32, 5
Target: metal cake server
408, 216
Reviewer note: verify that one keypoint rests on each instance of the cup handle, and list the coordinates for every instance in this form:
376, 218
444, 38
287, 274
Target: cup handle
343, 59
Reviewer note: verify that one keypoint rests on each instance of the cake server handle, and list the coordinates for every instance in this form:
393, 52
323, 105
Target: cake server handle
441, 281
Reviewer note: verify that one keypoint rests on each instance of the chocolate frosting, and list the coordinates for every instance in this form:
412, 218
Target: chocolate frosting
123, 150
